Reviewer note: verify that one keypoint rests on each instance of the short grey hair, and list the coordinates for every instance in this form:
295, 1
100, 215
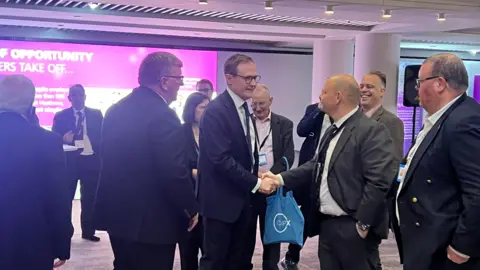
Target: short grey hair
17, 93
451, 68
155, 66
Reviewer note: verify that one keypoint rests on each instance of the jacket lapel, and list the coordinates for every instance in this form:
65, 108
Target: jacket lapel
378, 113
344, 137
427, 141
277, 144
235, 117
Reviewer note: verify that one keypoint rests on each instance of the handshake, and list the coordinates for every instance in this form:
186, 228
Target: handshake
269, 182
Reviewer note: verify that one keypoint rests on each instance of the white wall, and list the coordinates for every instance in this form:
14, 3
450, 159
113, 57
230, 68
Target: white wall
289, 78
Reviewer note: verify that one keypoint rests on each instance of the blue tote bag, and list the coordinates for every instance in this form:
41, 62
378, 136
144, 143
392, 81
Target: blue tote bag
284, 222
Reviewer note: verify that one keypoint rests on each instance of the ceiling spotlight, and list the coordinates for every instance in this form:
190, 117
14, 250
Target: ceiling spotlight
329, 10
441, 17
93, 5
269, 5
203, 2
386, 13
474, 52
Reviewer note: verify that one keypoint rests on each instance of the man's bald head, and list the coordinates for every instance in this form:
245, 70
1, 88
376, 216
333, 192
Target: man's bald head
341, 93
261, 101
17, 94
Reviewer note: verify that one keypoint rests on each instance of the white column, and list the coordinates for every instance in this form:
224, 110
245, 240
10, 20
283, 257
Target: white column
330, 57
380, 52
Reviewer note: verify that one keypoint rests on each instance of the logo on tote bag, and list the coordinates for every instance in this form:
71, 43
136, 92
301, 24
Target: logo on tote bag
280, 223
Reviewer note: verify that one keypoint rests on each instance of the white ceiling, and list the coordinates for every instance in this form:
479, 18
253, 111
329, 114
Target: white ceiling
294, 23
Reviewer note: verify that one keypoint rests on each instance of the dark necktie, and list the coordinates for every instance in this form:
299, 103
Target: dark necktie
79, 126
322, 154
247, 124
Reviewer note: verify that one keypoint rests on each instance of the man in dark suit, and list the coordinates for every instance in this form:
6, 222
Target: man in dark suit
436, 217
228, 165
275, 141
35, 226
312, 127
145, 198
352, 171
81, 127
372, 90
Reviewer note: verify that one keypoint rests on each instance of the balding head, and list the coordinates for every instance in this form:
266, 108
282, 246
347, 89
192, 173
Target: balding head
261, 101
340, 93
17, 94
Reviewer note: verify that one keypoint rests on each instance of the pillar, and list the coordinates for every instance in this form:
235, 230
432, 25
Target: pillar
330, 57
375, 51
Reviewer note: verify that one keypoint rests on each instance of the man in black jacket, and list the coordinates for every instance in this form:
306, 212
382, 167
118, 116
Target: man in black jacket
35, 224
145, 197
275, 142
311, 127
81, 127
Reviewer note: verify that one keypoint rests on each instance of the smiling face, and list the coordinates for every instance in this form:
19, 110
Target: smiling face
244, 82
261, 102
372, 91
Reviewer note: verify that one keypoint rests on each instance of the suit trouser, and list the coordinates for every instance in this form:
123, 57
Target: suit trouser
141, 256
293, 253
271, 253
224, 243
190, 246
86, 169
341, 247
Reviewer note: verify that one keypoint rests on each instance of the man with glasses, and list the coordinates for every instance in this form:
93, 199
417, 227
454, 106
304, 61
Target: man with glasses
228, 165
436, 211
81, 127
206, 87
145, 198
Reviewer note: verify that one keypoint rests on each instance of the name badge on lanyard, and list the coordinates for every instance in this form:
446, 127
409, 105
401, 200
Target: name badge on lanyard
401, 173
262, 160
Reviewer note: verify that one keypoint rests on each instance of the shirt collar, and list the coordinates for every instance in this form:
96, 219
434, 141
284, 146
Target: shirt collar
76, 111
436, 116
238, 101
345, 117
269, 117
372, 111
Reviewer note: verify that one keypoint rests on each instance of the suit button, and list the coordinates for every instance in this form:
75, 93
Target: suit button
414, 199
417, 224
429, 181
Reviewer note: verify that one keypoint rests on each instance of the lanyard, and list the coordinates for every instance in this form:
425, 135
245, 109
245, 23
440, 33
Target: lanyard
266, 137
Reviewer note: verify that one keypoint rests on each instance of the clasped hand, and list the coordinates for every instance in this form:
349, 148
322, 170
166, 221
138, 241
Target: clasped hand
270, 182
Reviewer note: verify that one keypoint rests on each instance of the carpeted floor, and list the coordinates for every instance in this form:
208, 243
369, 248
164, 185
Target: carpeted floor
98, 256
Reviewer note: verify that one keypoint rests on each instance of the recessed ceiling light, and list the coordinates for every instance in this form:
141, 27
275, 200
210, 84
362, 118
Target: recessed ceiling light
93, 5
441, 17
269, 5
203, 2
329, 10
474, 52
386, 13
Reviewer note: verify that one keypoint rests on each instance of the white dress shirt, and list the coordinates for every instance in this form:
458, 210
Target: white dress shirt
264, 133
370, 112
87, 145
429, 122
238, 101
328, 205
325, 125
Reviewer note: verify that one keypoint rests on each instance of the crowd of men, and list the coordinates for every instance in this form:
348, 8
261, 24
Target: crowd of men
151, 183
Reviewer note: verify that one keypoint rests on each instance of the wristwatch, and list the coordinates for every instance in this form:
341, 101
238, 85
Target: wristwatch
363, 227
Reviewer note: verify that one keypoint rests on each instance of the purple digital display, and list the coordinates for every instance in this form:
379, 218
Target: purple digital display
476, 88
108, 73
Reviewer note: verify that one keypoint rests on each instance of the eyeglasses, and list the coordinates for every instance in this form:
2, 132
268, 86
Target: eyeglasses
249, 79
175, 77
419, 81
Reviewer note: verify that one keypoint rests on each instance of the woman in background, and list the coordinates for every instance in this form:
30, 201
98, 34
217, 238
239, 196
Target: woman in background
193, 111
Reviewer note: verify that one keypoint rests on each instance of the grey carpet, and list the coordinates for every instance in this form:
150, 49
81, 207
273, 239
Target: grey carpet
98, 256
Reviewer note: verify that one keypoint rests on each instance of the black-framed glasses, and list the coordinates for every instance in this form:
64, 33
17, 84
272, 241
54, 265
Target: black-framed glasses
419, 81
250, 79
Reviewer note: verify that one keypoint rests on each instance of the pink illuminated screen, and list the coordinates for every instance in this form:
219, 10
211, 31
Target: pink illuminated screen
108, 73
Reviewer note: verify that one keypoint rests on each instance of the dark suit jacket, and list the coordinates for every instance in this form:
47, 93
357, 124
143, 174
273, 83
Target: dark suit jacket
145, 193
282, 140
35, 226
439, 203
310, 128
225, 164
191, 149
361, 171
396, 128
33, 118
64, 121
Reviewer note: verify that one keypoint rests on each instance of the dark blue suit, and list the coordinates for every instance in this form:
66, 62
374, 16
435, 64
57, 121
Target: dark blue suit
227, 176
439, 203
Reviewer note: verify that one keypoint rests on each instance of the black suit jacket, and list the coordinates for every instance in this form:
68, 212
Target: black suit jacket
282, 140
310, 128
439, 203
145, 193
191, 150
64, 121
227, 174
361, 171
35, 226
